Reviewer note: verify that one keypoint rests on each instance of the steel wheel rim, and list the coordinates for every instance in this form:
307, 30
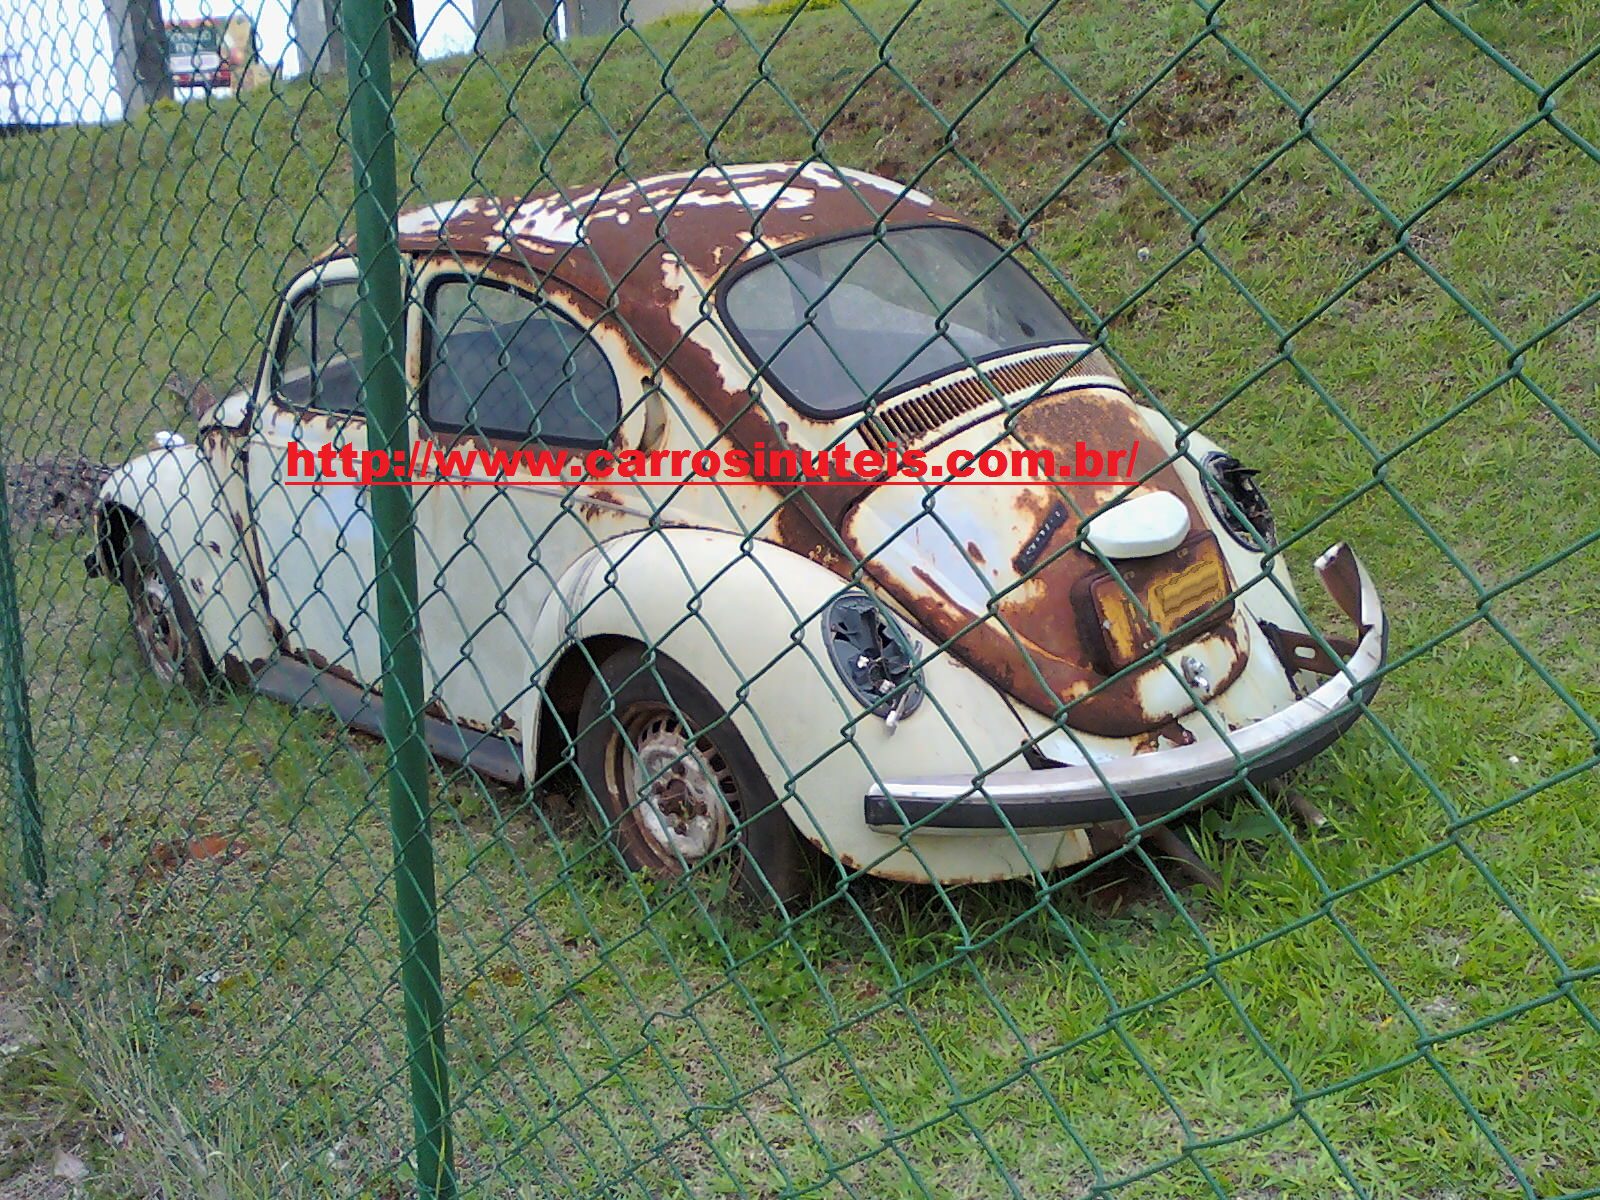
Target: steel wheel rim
677, 794
156, 626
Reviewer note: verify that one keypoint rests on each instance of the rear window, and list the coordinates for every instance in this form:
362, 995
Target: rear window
834, 323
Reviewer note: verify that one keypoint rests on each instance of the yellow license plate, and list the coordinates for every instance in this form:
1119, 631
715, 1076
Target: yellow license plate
1171, 593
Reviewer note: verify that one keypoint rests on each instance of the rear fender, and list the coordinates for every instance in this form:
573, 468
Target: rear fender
745, 618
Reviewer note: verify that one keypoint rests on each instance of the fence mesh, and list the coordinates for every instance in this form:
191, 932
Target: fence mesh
811, 839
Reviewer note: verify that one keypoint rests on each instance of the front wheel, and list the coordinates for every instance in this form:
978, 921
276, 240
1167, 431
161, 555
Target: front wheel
677, 786
163, 622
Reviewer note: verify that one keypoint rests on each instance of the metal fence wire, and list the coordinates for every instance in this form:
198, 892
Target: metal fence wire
1212, 820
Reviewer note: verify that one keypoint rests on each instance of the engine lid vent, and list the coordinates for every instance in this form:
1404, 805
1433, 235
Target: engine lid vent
952, 403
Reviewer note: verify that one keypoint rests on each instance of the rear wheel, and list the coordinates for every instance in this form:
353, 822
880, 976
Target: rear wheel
164, 624
676, 784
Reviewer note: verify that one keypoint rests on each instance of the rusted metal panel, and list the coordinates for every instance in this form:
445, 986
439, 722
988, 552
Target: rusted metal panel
647, 256
1018, 628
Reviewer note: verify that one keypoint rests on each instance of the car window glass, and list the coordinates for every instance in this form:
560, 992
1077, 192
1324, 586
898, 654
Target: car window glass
838, 321
504, 365
319, 365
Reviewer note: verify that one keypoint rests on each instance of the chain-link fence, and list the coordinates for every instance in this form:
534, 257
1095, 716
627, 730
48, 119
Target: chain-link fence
827, 640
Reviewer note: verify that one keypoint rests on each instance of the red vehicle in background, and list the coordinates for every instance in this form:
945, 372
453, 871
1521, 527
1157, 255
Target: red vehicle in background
213, 52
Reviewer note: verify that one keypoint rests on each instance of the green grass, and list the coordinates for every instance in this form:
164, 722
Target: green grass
900, 1042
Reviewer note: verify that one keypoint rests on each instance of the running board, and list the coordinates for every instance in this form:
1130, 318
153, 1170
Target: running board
302, 686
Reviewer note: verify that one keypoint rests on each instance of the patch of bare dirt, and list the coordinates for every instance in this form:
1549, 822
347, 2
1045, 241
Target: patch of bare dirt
57, 494
1198, 98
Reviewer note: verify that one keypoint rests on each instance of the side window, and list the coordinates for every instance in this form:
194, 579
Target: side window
319, 360
504, 365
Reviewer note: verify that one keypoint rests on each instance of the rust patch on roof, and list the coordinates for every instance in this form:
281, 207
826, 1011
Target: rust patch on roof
625, 244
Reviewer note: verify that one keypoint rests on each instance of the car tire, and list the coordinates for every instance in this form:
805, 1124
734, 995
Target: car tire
164, 625
646, 723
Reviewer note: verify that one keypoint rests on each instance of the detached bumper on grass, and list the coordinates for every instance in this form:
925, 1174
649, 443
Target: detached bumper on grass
1149, 786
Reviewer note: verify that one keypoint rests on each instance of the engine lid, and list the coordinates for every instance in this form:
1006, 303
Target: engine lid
991, 567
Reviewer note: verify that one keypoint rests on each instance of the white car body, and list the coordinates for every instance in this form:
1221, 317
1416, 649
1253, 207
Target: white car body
522, 587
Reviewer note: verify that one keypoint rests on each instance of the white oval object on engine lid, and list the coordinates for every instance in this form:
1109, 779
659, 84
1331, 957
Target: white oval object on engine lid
1141, 526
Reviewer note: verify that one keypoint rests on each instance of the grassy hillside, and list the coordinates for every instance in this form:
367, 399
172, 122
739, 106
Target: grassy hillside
1270, 263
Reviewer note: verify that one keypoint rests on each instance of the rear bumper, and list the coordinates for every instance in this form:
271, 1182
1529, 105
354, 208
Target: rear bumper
1148, 786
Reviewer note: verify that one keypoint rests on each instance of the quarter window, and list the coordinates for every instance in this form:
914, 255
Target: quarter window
319, 363
505, 365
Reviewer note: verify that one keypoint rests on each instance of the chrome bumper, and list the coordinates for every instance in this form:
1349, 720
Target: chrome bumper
1147, 786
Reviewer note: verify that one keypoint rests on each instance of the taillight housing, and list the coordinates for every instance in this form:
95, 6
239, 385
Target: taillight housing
1121, 620
1238, 501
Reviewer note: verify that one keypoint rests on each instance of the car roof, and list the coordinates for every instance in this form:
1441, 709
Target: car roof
627, 245
651, 250
709, 218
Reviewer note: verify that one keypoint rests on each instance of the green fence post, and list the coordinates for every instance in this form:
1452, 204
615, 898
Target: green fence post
383, 344
19, 726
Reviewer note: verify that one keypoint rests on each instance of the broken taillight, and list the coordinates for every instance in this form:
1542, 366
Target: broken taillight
1123, 616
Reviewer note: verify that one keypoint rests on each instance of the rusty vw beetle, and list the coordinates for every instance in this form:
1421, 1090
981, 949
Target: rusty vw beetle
925, 681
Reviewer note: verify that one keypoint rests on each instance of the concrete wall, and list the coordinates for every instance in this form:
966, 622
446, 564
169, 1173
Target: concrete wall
642, 12
317, 37
502, 23
138, 53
